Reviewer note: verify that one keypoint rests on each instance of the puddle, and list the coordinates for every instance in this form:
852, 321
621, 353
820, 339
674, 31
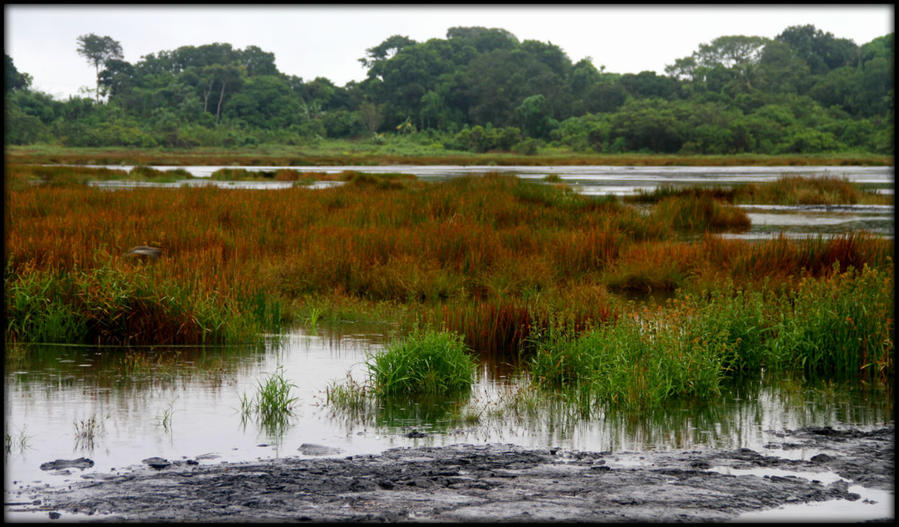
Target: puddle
873, 505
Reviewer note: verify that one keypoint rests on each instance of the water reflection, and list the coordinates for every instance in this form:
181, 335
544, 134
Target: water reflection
179, 403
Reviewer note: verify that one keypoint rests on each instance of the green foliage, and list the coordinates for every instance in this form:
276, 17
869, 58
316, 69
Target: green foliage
480, 139
630, 364
836, 327
803, 92
424, 363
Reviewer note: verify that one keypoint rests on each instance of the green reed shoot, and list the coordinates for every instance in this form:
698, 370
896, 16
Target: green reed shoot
272, 404
165, 420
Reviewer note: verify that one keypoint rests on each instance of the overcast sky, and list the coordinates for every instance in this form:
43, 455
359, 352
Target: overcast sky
327, 41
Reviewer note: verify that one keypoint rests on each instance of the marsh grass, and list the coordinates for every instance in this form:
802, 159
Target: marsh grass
18, 441
628, 364
405, 150
110, 305
272, 404
145, 173
87, 432
424, 377
702, 213
807, 190
495, 259
840, 327
785, 190
426, 362
165, 419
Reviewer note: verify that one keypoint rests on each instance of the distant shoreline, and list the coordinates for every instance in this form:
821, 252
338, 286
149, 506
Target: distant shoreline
279, 155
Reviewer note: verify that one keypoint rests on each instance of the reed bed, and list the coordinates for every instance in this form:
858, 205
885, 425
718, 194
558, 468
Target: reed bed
785, 190
800, 190
836, 327
494, 258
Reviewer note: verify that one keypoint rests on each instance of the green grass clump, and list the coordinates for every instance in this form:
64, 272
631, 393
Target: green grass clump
272, 404
424, 363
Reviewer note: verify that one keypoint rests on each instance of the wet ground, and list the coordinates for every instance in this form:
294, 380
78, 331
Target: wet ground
488, 482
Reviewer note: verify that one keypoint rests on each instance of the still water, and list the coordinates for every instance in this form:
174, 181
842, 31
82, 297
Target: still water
179, 403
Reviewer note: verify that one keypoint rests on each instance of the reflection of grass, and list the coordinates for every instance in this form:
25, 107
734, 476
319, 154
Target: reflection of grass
165, 420
272, 404
87, 431
19, 441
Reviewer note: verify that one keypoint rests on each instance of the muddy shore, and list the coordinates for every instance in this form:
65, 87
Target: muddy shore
492, 482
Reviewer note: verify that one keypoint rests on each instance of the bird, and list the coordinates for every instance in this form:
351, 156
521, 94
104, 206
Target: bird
145, 252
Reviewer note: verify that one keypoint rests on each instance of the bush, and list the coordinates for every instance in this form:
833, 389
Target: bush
528, 147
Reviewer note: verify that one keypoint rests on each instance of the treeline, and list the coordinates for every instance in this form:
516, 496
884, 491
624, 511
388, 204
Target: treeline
481, 89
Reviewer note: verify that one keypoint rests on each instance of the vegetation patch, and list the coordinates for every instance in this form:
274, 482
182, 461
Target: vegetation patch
108, 305
271, 405
424, 363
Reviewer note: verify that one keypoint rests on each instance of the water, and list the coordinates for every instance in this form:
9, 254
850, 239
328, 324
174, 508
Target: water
767, 220
179, 403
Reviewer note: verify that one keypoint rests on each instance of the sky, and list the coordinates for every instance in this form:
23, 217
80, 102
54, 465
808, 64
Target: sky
311, 41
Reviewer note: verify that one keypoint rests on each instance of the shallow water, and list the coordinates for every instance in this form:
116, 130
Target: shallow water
51, 388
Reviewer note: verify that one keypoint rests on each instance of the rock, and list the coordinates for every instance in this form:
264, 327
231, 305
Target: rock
309, 449
55, 515
157, 462
145, 252
60, 464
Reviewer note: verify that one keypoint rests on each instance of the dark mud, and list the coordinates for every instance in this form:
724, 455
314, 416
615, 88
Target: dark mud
484, 483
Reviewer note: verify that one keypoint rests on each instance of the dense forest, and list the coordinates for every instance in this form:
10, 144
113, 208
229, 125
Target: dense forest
482, 89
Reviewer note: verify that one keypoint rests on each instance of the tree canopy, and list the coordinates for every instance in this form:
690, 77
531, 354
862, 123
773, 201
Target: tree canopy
480, 88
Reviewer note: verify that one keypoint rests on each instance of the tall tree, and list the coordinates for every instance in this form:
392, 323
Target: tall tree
13, 79
98, 51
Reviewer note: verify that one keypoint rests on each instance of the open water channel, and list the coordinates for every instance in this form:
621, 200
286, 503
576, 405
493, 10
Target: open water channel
184, 403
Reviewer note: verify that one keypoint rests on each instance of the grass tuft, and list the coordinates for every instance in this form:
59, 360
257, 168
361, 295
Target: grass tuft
424, 363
